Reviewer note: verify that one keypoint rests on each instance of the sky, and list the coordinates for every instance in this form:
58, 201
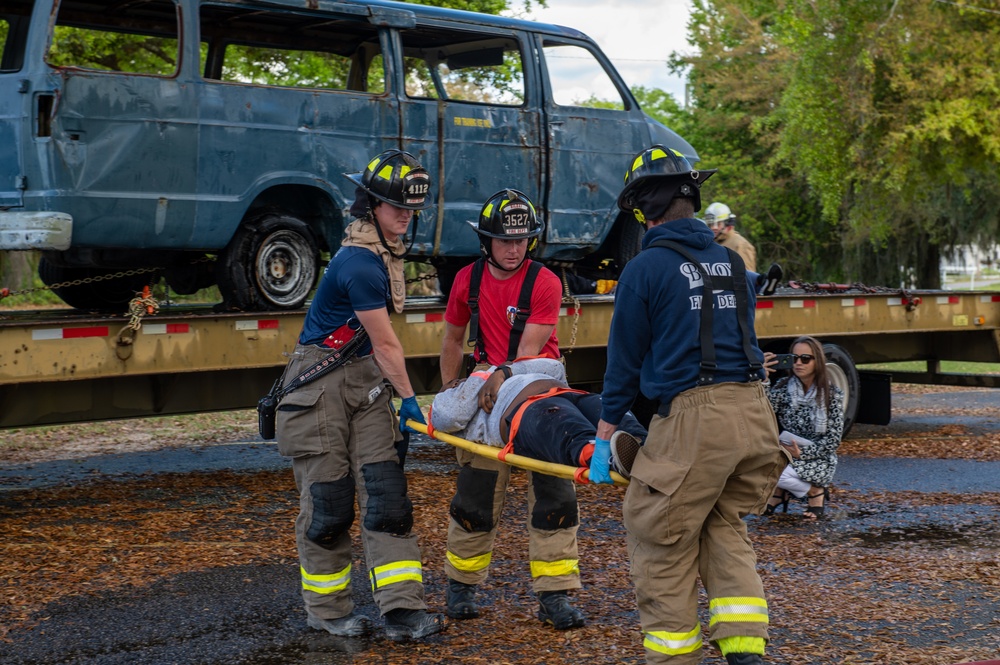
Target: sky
637, 35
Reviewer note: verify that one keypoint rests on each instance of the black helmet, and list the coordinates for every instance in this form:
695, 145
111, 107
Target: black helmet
395, 177
656, 176
508, 215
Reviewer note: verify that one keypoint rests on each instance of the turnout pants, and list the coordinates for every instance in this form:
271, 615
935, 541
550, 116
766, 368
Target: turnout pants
557, 429
712, 462
475, 514
340, 431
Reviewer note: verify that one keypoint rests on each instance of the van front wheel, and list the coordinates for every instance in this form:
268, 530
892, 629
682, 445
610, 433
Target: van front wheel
271, 263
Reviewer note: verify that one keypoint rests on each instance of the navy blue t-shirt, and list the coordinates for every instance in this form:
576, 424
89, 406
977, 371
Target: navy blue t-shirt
355, 280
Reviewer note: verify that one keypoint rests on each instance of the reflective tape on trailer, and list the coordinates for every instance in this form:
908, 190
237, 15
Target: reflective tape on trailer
989, 298
947, 300
165, 328
801, 304
853, 302
69, 333
570, 311
425, 317
257, 324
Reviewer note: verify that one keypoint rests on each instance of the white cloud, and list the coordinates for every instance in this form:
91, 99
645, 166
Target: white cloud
637, 35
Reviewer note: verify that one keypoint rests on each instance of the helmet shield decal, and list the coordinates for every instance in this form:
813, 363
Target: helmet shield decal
516, 219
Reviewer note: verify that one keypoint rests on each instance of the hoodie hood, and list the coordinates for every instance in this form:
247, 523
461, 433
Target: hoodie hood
689, 232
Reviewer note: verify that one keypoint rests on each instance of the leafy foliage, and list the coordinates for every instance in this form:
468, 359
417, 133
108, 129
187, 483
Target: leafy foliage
869, 127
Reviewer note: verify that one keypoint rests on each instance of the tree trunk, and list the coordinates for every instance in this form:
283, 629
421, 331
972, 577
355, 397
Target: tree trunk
17, 270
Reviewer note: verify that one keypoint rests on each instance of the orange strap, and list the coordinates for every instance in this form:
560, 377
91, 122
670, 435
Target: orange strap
578, 476
430, 421
509, 448
515, 422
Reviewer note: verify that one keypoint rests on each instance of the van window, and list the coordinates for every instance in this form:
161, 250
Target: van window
14, 18
463, 67
286, 49
101, 38
579, 79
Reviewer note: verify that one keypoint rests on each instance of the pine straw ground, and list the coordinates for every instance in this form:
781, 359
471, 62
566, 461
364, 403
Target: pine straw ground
834, 596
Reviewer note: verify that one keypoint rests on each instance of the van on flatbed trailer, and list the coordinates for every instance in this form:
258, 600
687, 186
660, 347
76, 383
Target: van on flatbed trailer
62, 366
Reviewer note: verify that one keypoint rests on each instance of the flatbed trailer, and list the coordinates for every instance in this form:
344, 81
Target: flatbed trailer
62, 366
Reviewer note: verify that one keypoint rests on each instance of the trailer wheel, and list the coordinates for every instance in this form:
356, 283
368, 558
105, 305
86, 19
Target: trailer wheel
271, 263
844, 375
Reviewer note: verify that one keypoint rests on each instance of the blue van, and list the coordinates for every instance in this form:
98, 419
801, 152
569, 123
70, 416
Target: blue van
204, 141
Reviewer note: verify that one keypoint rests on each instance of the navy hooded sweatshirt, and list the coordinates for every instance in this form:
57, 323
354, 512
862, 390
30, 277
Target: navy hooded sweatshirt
654, 345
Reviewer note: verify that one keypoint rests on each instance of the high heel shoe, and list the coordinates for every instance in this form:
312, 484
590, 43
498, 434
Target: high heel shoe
783, 497
816, 512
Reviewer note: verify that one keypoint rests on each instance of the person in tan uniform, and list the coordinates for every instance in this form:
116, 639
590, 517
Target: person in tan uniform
682, 334
340, 430
722, 221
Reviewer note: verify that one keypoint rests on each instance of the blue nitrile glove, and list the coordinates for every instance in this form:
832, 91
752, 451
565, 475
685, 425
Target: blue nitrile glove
410, 410
600, 470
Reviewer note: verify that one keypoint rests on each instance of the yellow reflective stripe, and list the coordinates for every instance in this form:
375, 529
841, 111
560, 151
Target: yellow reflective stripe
673, 644
636, 164
555, 568
372, 164
395, 572
470, 565
326, 583
403, 170
487, 210
737, 608
385, 172
741, 644
656, 153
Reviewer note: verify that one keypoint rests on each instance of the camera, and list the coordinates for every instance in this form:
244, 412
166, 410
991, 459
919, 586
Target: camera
785, 360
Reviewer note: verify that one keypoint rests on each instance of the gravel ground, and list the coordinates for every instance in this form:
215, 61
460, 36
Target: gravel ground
169, 541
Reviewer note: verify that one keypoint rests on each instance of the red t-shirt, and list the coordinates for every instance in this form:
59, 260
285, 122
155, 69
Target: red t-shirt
498, 305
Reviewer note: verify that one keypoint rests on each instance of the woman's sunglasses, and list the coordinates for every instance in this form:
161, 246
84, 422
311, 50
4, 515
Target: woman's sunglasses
804, 358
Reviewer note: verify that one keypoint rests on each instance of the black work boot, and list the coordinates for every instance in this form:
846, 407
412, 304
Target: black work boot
403, 624
744, 659
461, 600
554, 608
353, 625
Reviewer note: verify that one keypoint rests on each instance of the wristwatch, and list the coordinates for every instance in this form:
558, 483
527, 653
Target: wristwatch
505, 369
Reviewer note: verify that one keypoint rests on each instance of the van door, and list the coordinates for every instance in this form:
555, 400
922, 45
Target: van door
470, 113
594, 129
123, 135
291, 101
15, 100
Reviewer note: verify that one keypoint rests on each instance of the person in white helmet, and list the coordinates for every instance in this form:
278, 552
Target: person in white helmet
722, 221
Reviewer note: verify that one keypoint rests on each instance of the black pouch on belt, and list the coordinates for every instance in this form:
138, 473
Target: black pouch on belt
266, 407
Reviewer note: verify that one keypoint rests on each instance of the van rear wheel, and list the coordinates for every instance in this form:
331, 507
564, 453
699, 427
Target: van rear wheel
271, 263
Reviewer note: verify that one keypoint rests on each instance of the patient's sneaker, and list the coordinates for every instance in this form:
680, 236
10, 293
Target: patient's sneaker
624, 448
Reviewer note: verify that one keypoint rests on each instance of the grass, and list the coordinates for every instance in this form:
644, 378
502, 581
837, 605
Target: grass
947, 366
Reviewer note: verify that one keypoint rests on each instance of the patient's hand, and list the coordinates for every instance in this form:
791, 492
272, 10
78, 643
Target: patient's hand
488, 393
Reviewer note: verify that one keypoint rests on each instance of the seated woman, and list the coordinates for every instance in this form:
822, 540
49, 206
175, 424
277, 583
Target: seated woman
810, 413
529, 408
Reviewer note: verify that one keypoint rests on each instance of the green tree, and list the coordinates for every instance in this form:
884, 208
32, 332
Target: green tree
885, 111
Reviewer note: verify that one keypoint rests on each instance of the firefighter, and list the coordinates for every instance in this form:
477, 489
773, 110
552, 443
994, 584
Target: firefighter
511, 305
722, 221
341, 430
683, 333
